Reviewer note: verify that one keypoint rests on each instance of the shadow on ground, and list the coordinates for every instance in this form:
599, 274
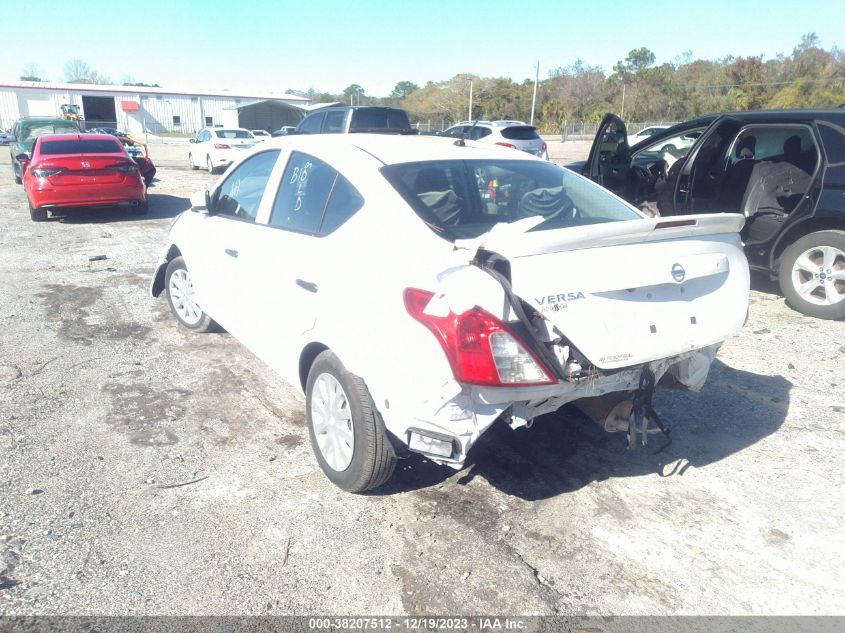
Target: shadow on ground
564, 451
762, 282
161, 206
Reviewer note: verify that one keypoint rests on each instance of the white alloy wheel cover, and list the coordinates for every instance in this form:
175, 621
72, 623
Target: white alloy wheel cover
818, 275
181, 291
331, 417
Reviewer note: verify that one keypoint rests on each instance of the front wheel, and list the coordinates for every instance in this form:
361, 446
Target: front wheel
18, 179
191, 162
182, 298
347, 433
812, 275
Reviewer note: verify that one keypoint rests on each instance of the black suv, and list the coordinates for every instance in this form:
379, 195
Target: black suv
783, 169
349, 119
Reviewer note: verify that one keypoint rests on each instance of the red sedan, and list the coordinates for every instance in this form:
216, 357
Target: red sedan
81, 170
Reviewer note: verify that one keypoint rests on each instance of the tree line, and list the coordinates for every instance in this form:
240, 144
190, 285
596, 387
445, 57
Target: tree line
637, 88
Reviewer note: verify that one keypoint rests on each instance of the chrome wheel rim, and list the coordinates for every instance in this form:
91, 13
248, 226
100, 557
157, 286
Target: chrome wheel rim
210, 166
182, 297
818, 275
331, 417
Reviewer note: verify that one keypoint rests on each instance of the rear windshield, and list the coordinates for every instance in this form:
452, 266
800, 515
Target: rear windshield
521, 133
233, 134
364, 120
464, 199
104, 146
35, 129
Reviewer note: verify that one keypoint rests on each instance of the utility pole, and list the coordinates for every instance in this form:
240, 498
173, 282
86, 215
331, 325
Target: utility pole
622, 115
534, 98
469, 116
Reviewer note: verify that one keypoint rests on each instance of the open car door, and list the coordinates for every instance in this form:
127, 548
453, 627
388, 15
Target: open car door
609, 160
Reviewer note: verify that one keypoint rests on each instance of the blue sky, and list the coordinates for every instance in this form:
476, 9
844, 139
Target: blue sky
329, 44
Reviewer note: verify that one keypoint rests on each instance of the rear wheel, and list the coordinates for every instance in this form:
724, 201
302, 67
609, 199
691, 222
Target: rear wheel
37, 215
209, 164
182, 298
347, 432
812, 275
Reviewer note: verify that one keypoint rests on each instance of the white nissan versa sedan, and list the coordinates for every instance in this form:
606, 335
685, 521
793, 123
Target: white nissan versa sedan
417, 289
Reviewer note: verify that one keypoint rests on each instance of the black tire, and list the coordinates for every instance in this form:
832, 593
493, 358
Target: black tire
37, 215
205, 322
191, 162
18, 179
210, 166
373, 460
141, 209
833, 239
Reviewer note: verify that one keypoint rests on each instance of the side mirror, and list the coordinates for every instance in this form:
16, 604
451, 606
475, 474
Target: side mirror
24, 161
192, 140
201, 202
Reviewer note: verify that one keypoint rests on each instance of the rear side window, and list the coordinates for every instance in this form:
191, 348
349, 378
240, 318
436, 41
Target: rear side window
104, 146
313, 197
312, 123
378, 119
334, 122
833, 138
521, 133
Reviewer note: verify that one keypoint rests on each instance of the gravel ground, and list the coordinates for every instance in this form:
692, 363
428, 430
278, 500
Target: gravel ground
105, 404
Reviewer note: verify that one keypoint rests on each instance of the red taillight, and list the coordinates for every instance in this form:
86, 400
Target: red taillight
221, 146
503, 144
469, 339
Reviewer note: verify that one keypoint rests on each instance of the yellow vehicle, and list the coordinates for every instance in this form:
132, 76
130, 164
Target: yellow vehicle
70, 112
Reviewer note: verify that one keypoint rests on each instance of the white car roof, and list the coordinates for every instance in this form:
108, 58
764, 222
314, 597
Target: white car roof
392, 149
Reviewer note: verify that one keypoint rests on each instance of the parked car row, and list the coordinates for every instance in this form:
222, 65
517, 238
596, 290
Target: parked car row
782, 170
61, 167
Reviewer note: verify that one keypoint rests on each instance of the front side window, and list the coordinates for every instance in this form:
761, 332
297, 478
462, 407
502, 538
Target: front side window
240, 194
313, 197
464, 199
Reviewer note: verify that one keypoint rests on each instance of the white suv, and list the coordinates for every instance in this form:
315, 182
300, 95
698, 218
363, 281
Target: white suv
514, 134
216, 148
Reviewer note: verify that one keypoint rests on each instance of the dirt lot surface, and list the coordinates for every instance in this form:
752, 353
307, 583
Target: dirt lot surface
106, 404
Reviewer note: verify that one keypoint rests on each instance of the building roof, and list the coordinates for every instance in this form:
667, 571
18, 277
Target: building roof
80, 87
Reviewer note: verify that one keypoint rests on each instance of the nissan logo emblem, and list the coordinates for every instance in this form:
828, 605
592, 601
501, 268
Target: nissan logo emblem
678, 273
85, 165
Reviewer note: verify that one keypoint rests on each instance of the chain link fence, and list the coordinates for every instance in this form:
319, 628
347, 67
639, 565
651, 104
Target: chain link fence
583, 131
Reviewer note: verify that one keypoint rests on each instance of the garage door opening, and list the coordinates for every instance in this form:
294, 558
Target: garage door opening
99, 112
268, 115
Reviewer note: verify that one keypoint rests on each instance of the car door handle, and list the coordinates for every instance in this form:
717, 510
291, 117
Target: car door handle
307, 285
231, 252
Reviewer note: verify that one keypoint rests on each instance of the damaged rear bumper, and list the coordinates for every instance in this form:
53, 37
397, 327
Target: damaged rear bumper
455, 420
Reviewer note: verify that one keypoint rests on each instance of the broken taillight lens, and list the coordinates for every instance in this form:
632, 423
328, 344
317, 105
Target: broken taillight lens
481, 349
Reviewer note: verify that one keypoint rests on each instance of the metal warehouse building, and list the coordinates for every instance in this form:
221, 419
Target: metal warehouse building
155, 110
